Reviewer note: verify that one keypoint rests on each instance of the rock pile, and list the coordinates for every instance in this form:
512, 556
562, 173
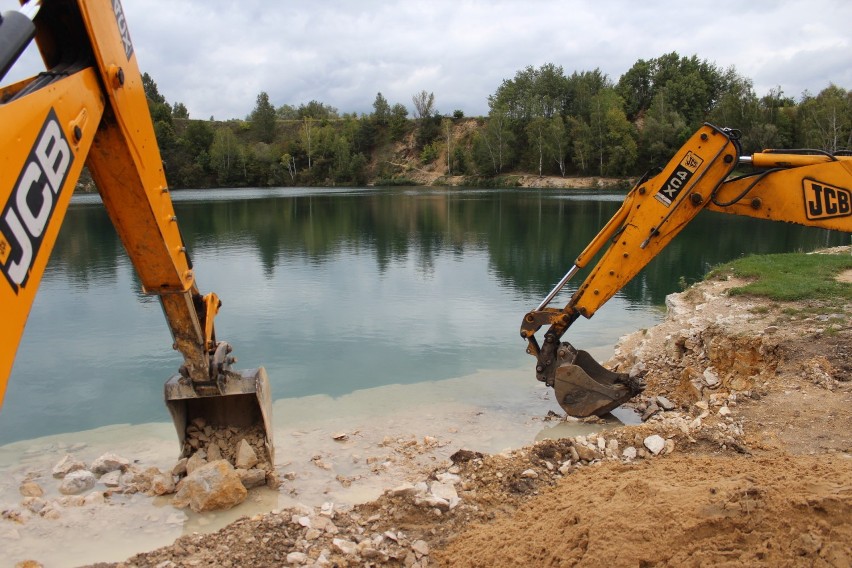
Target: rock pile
300, 536
407, 521
243, 448
79, 484
218, 475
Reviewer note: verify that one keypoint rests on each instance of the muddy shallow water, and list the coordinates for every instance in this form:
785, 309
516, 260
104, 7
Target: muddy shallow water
386, 436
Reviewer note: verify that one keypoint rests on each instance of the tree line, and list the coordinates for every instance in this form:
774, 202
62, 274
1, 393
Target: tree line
541, 121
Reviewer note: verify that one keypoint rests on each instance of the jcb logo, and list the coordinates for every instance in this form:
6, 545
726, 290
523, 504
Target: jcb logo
118, 10
825, 201
677, 181
27, 213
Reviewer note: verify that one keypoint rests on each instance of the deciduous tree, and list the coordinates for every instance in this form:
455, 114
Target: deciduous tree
306, 134
424, 104
826, 119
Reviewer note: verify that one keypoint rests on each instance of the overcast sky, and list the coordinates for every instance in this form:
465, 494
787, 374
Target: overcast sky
215, 56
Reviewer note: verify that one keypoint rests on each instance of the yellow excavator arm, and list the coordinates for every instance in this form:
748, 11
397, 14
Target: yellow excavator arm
808, 188
89, 108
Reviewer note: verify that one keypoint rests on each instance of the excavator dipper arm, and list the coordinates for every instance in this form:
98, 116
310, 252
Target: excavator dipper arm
90, 108
801, 188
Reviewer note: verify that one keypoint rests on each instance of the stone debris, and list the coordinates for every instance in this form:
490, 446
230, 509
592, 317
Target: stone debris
328, 535
290, 538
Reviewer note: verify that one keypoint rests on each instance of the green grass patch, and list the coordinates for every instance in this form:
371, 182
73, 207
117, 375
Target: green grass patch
791, 276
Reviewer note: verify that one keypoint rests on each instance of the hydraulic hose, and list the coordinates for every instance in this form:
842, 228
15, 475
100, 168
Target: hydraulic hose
16, 32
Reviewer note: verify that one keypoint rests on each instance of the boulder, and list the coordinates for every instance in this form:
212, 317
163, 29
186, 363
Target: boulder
655, 444
586, 453
31, 489
446, 492
66, 465
109, 462
77, 481
213, 486
161, 484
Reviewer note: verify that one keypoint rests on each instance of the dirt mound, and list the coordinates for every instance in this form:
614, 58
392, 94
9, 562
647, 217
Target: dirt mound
685, 511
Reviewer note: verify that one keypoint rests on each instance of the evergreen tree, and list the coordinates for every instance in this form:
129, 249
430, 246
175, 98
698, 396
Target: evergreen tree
381, 110
262, 119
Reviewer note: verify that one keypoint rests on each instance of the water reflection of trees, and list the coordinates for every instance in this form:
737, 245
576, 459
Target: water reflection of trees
87, 247
531, 237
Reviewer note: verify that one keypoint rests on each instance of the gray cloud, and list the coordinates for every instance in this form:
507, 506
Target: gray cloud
215, 56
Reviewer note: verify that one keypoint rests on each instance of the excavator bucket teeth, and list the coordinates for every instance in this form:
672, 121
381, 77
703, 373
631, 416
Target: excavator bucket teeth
242, 403
585, 388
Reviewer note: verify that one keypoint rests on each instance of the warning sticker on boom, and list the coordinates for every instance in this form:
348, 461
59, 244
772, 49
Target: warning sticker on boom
678, 180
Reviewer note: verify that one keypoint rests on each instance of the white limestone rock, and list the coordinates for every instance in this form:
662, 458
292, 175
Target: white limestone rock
77, 481
109, 462
655, 443
66, 465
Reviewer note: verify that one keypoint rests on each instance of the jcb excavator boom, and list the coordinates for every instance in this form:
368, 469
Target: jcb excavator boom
805, 187
89, 108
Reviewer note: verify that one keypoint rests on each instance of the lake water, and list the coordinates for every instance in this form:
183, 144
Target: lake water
339, 290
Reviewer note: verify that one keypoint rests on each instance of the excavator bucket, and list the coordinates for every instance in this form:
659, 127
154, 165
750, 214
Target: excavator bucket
584, 387
238, 407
